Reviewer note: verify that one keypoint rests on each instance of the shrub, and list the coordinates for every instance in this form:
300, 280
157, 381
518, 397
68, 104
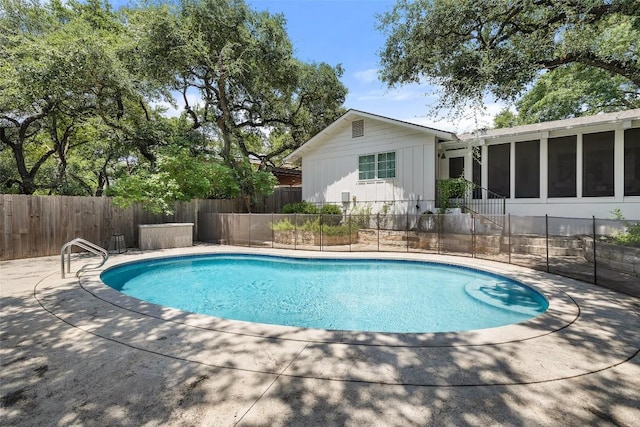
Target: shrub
283, 225
299, 208
331, 210
331, 215
328, 229
631, 237
360, 216
314, 226
451, 189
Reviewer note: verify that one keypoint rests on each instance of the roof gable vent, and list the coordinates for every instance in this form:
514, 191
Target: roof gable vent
357, 128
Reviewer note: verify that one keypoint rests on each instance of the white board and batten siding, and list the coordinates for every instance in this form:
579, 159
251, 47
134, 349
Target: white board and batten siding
331, 168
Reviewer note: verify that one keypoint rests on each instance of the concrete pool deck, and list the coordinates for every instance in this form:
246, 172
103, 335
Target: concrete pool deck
77, 353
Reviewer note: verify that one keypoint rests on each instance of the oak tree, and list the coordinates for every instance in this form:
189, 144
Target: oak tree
473, 47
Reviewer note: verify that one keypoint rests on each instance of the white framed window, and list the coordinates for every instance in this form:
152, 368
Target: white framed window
387, 165
377, 166
367, 167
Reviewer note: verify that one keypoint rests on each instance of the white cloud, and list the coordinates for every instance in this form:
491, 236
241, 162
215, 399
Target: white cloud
405, 93
367, 76
468, 120
371, 95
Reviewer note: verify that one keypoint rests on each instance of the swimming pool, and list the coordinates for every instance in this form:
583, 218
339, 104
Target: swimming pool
357, 294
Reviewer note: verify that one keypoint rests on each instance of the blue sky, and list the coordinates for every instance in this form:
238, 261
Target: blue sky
338, 32
344, 32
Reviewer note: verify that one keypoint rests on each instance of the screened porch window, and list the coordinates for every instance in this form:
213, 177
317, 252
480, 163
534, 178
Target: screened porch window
597, 164
632, 162
499, 168
456, 167
528, 169
562, 166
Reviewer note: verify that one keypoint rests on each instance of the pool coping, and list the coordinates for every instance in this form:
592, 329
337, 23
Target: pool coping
561, 313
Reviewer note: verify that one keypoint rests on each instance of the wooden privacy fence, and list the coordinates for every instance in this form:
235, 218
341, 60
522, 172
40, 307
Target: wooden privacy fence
34, 226
280, 197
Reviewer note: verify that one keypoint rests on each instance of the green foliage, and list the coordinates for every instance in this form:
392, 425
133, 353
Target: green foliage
283, 225
616, 213
450, 191
471, 48
631, 235
199, 178
331, 210
331, 229
156, 192
576, 90
77, 81
315, 225
571, 91
252, 182
330, 215
241, 64
64, 68
505, 119
179, 175
299, 208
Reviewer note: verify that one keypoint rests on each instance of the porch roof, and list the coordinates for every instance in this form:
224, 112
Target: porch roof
578, 122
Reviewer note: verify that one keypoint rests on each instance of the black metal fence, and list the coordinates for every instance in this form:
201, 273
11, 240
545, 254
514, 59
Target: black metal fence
471, 198
584, 249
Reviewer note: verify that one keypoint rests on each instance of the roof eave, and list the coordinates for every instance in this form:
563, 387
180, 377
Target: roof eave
297, 154
553, 126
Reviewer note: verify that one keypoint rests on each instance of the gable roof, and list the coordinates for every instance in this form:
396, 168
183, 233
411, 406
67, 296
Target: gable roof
351, 114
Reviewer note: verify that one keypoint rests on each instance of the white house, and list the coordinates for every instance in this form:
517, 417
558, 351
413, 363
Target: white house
579, 167
363, 158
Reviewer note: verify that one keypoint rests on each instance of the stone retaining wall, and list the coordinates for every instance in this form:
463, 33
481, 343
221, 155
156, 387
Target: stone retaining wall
621, 258
299, 237
487, 244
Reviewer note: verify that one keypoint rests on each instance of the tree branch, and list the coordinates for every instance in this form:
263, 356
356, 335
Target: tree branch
588, 58
187, 107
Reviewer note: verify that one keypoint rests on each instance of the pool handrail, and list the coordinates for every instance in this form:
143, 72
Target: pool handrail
86, 245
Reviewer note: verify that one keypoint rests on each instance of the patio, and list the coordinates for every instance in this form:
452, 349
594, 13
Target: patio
77, 353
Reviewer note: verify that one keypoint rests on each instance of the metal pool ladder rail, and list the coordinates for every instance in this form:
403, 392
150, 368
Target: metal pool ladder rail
86, 245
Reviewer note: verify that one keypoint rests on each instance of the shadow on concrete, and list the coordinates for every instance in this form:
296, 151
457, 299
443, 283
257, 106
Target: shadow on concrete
69, 358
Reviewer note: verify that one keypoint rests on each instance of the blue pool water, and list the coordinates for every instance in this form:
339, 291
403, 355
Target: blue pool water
363, 295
